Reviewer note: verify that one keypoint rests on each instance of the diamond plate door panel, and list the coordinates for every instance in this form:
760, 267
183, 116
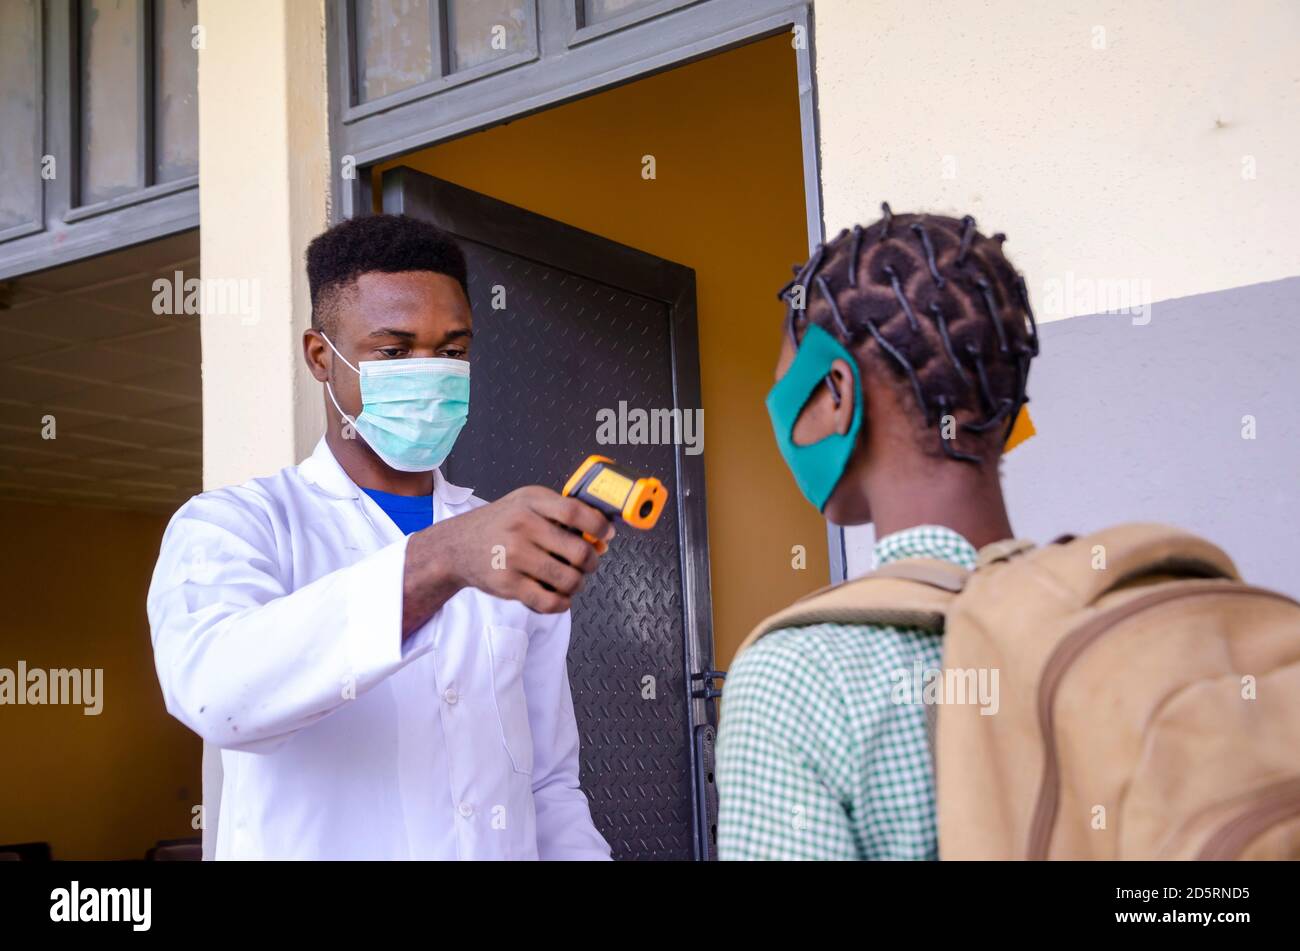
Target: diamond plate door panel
562, 348
567, 324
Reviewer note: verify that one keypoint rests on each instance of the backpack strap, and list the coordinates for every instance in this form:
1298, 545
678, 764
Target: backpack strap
914, 592
1084, 569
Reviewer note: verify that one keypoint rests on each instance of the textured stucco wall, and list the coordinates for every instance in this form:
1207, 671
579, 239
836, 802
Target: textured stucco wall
1132, 153
1110, 141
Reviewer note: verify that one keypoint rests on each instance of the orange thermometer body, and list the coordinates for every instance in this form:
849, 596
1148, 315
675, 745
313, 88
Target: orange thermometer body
618, 492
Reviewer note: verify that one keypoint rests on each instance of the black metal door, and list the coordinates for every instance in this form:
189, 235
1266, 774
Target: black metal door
566, 325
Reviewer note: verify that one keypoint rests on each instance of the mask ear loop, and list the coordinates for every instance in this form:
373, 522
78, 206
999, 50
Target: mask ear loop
330, 390
346, 418
835, 394
336, 353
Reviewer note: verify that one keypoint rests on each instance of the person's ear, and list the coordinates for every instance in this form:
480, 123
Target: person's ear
843, 383
829, 409
317, 353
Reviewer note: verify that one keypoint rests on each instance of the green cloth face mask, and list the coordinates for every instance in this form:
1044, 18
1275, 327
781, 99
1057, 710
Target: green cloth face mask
817, 467
412, 409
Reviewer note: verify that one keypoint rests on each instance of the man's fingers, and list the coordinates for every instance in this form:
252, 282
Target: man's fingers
572, 548
574, 514
537, 598
547, 563
542, 566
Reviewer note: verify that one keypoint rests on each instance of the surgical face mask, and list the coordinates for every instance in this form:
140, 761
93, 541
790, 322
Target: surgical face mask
817, 467
412, 409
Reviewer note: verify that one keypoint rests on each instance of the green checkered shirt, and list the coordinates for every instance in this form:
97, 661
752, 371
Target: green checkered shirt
815, 760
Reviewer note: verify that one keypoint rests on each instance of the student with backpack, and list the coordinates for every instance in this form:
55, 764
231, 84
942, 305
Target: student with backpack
1121, 695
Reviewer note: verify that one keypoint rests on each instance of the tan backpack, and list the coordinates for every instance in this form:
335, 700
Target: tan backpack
1147, 700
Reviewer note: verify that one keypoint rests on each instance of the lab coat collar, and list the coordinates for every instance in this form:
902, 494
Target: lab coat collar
323, 471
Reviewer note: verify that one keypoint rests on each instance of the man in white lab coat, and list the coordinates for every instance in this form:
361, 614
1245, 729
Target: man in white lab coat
380, 655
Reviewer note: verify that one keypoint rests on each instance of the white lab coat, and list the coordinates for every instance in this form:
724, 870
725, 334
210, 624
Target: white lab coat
276, 611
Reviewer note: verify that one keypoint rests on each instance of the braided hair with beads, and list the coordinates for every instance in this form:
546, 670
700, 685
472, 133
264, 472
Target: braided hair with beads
940, 305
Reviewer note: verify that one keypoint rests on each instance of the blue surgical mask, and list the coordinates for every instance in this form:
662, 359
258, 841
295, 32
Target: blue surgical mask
412, 409
817, 467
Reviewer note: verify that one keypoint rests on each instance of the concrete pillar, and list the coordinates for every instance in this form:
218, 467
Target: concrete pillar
263, 191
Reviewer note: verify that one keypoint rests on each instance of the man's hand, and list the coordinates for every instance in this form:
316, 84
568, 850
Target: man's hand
513, 548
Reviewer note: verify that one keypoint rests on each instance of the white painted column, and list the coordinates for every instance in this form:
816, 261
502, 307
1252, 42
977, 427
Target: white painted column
263, 194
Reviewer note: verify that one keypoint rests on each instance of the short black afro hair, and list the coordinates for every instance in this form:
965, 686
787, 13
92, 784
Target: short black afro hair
387, 244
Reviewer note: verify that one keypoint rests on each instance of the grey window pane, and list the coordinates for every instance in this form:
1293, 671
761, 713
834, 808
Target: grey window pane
111, 78
394, 45
483, 30
597, 10
20, 115
176, 90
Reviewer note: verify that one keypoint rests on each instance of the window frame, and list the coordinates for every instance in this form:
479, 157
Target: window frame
584, 32
22, 229
69, 231
444, 78
569, 65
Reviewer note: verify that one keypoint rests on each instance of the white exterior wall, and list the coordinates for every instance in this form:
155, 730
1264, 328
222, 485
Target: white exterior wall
263, 188
1129, 161
1144, 151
